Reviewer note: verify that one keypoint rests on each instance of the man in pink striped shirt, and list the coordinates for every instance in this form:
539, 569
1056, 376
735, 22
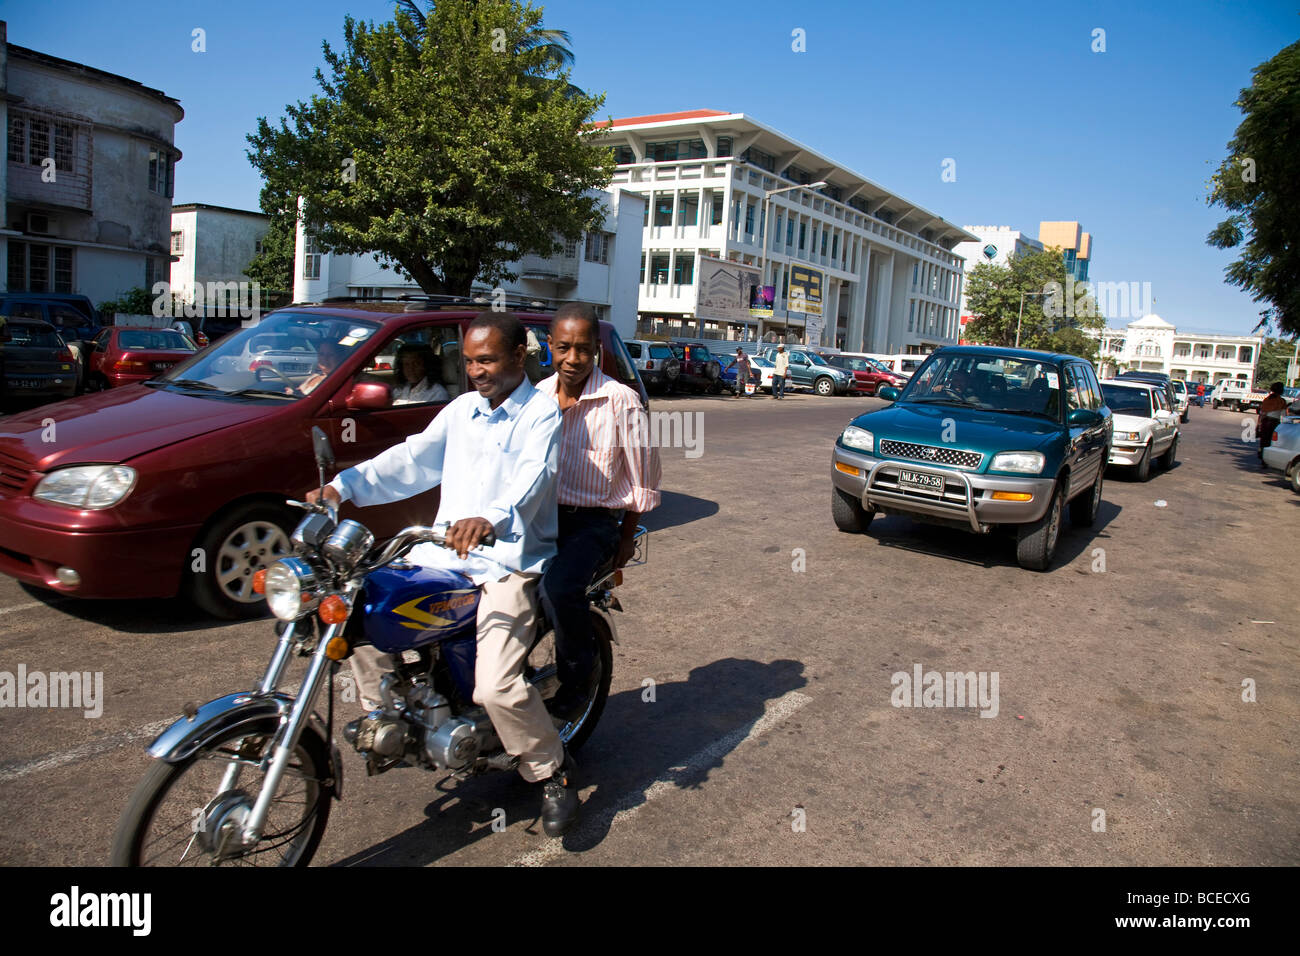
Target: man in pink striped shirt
608, 477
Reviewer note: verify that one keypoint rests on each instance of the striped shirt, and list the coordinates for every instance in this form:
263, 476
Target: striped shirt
606, 460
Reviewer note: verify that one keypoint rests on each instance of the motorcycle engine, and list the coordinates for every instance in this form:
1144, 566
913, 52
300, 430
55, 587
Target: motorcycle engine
449, 742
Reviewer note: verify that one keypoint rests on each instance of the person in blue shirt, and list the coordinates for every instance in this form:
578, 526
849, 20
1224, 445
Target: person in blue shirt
494, 451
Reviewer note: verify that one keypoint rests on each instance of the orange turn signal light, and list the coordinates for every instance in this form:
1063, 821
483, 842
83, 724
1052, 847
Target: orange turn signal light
1012, 496
336, 649
333, 610
259, 582
848, 469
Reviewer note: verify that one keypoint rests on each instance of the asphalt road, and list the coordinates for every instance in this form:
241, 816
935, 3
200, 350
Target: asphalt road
751, 719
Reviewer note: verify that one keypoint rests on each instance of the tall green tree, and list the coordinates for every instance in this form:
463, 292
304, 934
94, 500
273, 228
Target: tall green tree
1056, 309
272, 268
1274, 358
1259, 184
449, 148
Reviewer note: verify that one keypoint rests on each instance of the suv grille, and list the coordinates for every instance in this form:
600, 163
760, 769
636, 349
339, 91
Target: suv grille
932, 454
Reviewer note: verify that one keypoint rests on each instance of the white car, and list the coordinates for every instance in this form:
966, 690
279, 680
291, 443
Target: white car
1283, 452
765, 369
1145, 427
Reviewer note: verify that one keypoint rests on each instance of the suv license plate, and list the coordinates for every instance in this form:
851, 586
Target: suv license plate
915, 481
27, 383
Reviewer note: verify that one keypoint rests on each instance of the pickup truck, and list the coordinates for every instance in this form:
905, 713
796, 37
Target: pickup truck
1237, 395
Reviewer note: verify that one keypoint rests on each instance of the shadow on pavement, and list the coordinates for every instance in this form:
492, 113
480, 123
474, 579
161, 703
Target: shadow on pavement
637, 745
146, 616
678, 509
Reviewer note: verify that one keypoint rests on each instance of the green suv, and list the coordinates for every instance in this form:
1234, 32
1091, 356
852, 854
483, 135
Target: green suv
981, 437
810, 369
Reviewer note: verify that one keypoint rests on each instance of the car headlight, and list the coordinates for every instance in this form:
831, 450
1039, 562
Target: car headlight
293, 588
1024, 462
92, 487
860, 438
1132, 436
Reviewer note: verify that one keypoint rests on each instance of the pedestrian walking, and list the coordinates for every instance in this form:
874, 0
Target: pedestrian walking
782, 363
741, 362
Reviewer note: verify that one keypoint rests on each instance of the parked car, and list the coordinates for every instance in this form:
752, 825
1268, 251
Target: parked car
1146, 428
1283, 452
868, 376
809, 369
1237, 395
1183, 396
123, 355
699, 370
1158, 378
765, 371
964, 445
1199, 393
35, 362
72, 316
899, 364
655, 363
728, 376
178, 484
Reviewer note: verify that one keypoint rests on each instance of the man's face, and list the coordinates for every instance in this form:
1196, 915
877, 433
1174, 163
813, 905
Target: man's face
574, 352
493, 368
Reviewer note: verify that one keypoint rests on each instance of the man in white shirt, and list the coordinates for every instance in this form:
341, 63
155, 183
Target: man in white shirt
782, 363
494, 452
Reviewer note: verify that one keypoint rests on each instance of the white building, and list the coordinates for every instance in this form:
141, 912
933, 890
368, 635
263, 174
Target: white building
212, 245
1153, 345
600, 269
995, 246
86, 186
888, 277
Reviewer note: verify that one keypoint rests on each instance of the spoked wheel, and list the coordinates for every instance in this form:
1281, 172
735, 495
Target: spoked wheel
179, 815
540, 672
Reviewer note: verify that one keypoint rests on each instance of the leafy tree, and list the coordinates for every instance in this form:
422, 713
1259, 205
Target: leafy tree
449, 148
1259, 184
1274, 358
1056, 308
137, 301
272, 268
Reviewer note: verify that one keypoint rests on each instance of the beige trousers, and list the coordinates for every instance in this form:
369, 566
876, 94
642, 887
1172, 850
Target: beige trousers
507, 615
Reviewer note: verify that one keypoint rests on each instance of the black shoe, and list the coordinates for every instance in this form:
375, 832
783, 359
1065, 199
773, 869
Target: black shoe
560, 799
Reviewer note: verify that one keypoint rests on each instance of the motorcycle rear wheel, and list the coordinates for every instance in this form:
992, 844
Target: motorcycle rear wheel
541, 672
180, 805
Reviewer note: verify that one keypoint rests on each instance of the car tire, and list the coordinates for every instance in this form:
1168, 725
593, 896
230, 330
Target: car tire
824, 386
237, 543
1293, 476
1183, 417
1142, 470
1036, 543
1166, 461
1083, 509
848, 513
1214, 404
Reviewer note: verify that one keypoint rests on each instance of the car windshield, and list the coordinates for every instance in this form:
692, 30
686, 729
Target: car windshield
285, 356
816, 359
155, 339
1123, 400
992, 383
22, 334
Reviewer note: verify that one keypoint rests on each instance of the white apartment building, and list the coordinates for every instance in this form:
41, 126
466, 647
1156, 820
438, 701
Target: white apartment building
599, 269
1153, 345
995, 245
212, 244
888, 278
86, 183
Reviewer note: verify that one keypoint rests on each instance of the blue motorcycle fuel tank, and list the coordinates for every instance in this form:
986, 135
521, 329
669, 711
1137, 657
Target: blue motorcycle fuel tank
409, 606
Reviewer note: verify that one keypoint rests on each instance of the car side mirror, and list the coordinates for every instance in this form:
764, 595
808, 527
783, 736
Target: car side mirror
369, 396
1084, 417
888, 393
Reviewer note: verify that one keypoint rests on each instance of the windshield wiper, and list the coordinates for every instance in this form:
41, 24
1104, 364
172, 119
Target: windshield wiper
957, 402
190, 383
260, 393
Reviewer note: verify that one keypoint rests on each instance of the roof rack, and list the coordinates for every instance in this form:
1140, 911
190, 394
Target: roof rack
418, 302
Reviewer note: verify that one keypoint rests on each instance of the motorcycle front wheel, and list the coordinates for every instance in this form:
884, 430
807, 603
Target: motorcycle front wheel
178, 816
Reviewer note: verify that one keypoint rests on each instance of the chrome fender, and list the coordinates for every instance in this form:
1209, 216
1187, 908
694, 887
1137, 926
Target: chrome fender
250, 710
609, 621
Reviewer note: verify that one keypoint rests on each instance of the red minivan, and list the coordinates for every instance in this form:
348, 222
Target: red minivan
177, 484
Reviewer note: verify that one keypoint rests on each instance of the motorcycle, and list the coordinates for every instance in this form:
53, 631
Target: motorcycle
249, 778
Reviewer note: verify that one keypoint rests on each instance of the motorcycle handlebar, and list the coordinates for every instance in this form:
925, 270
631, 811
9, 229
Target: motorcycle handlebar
407, 538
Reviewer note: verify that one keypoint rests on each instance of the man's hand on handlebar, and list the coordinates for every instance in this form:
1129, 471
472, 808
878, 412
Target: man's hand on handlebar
467, 533
330, 497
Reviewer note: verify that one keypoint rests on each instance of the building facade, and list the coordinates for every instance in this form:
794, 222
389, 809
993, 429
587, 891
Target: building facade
599, 269
995, 246
846, 261
1074, 243
212, 246
86, 186
1153, 345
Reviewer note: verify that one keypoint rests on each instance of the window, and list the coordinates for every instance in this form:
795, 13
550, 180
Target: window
749, 219
178, 243
676, 149
641, 280
311, 259
62, 269
257, 247
659, 270
688, 209
911, 315
835, 246
624, 155
724, 145
160, 172
789, 232
39, 268
570, 248
38, 141
684, 268
762, 160
17, 139
824, 236
664, 211
803, 236
64, 137
598, 247
715, 217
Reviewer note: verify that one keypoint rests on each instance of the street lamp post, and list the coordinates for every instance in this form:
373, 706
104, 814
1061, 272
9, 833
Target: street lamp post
767, 228
1022, 312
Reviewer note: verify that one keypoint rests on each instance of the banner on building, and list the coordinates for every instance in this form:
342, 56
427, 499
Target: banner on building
729, 291
805, 290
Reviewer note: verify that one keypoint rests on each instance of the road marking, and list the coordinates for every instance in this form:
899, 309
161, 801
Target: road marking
91, 748
626, 806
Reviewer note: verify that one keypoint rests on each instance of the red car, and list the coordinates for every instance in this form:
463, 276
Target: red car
178, 484
867, 375
123, 355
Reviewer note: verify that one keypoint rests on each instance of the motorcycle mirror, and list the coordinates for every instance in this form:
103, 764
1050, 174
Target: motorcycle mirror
320, 444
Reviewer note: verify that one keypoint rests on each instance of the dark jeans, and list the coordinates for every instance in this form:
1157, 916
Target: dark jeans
588, 538
778, 386
1266, 430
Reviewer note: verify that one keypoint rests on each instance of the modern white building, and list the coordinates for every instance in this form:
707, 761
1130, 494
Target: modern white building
600, 269
1153, 345
995, 246
86, 186
880, 270
212, 245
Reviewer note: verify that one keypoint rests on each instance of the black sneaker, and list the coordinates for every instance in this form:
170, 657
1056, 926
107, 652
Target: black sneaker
560, 799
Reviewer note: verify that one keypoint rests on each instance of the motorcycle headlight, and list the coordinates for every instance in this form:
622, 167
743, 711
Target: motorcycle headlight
293, 588
859, 438
92, 487
1024, 462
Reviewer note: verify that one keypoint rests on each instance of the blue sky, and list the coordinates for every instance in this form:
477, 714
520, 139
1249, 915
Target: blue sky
1040, 126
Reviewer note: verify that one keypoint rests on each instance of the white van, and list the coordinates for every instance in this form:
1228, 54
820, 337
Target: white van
901, 364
